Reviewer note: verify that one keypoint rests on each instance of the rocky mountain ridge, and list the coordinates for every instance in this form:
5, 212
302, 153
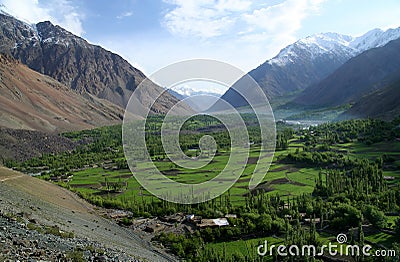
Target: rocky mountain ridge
83, 67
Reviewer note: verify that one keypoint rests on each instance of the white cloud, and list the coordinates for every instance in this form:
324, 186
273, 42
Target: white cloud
203, 18
261, 28
233, 5
275, 26
284, 18
248, 20
27, 10
60, 12
126, 14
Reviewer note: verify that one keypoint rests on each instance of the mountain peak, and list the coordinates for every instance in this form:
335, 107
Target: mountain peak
45, 26
54, 34
85, 68
312, 47
328, 43
374, 38
49, 28
327, 38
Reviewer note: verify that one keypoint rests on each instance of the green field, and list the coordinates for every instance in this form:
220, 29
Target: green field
286, 180
240, 247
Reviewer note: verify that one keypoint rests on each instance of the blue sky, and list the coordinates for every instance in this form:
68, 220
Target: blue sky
151, 34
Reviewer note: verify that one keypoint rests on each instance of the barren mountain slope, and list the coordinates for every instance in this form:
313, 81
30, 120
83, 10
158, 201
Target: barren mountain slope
29, 100
79, 65
49, 204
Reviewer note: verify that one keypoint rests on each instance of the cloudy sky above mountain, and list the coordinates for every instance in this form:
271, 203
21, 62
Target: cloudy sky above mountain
154, 33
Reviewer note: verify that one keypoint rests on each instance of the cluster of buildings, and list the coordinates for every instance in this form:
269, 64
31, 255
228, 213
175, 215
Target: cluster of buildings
190, 222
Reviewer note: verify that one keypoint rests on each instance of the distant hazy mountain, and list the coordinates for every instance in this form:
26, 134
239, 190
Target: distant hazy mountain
383, 103
30, 100
177, 95
199, 100
357, 77
309, 60
83, 67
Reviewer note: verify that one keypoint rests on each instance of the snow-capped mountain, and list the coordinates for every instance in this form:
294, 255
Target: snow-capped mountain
367, 72
333, 43
374, 38
309, 60
312, 47
187, 91
43, 32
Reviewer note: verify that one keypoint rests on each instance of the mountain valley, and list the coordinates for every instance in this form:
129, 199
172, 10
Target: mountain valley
70, 189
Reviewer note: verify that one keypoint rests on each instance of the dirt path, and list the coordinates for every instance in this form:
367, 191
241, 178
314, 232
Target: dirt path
53, 205
11, 177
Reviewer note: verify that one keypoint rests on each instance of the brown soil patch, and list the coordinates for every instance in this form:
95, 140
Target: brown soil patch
171, 172
282, 168
92, 186
108, 193
288, 169
261, 188
293, 170
125, 176
280, 181
285, 180
243, 180
252, 160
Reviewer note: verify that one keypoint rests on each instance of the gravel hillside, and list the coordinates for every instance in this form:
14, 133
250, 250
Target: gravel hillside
30, 207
